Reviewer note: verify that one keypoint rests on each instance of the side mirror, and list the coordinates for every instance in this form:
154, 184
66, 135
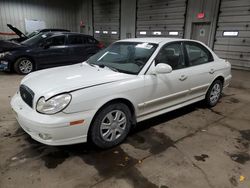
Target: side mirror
162, 68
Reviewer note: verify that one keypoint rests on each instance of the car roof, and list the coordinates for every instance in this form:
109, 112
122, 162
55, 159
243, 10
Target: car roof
68, 33
155, 40
53, 29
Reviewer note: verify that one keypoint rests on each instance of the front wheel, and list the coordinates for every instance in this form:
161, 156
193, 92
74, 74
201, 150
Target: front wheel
111, 125
214, 93
23, 66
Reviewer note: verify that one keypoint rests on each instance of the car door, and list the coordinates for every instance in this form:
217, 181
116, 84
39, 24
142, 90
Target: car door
201, 64
53, 52
166, 90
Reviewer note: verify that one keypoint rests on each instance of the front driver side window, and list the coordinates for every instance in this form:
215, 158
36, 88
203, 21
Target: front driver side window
171, 54
56, 41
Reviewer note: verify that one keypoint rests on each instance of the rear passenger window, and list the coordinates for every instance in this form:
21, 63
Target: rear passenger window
76, 39
171, 54
197, 54
91, 40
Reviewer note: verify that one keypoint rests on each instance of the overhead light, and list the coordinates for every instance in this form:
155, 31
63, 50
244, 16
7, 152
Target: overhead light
230, 33
113, 32
143, 32
105, 32
97, 31
157, 33
173, 33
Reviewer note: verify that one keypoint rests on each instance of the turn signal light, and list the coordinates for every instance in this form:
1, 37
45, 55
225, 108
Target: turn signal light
76, 122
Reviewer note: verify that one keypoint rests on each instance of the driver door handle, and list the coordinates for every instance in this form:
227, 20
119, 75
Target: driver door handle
183, 77
211, 71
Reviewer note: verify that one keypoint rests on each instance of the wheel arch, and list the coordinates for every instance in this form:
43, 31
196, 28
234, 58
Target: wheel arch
24, 56
112, 101
219, 77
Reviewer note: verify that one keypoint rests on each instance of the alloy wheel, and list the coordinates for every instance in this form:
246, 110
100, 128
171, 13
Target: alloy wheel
25, 66
113, 125
215, 93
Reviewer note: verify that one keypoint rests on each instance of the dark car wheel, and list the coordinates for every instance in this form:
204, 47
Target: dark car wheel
111, 125
214, 93
23, 66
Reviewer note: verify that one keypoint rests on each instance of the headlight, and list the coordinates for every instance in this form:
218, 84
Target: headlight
54, 104
4, 54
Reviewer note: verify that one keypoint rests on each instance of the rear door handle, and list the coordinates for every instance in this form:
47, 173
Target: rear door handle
183, 77
211, 71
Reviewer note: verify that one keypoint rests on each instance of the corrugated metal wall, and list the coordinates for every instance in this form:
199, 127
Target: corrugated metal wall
106, 20
234, 17
55, 13
160, 17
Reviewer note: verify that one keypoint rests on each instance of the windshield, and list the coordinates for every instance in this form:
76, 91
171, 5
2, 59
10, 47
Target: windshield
126, 57
32, 34
35, 39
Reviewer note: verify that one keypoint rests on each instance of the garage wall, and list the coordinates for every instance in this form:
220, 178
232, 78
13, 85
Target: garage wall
85, 15
56, 14
160, 18
202, 28
128, 18
106, 20
234, 17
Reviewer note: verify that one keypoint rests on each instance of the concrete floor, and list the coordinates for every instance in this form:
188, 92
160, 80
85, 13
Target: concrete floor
193, 147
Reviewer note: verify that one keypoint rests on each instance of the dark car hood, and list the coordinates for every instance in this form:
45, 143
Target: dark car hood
17, 31
9, 46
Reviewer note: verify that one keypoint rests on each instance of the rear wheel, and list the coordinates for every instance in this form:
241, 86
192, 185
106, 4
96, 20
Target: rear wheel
214, 93
111, 125
23, 66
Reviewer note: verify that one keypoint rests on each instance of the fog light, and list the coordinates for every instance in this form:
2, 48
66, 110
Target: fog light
44, 136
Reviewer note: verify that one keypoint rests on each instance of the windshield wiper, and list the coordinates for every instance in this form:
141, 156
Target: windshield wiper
109, 67
103, 66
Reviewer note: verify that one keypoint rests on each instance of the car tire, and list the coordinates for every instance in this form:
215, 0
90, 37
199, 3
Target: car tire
111, 125
23, 66
214, 93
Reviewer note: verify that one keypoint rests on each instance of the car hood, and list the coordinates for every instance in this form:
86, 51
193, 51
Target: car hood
10, 45
53, 81
17, 31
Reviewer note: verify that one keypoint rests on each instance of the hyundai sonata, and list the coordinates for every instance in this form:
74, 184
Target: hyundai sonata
128, 82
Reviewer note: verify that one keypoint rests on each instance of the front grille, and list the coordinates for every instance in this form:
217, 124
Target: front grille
27, 95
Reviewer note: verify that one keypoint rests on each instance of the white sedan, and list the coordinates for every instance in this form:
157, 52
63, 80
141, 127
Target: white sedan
130, 81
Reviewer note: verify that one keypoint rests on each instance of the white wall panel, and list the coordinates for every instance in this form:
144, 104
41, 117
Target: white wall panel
55, 13
234, 16
106, 20
160, 17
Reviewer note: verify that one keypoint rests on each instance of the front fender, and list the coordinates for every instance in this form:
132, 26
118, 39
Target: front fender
95, 97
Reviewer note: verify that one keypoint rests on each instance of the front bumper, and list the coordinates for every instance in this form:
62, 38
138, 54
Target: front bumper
51, 129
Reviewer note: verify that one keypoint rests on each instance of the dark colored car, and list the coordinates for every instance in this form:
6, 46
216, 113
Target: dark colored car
47, 50
23, 37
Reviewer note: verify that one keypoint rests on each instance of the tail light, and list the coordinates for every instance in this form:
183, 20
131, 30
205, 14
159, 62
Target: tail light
100, 45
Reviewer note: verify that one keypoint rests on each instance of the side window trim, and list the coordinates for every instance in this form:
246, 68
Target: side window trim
185, 43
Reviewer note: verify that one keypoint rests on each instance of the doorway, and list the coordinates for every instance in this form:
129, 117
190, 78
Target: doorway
200, 31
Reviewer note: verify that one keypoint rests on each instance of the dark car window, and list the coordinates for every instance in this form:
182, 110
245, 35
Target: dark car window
197, 54
171, 54
126, 57
56, 40
36, 39
76, 39
91, 40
